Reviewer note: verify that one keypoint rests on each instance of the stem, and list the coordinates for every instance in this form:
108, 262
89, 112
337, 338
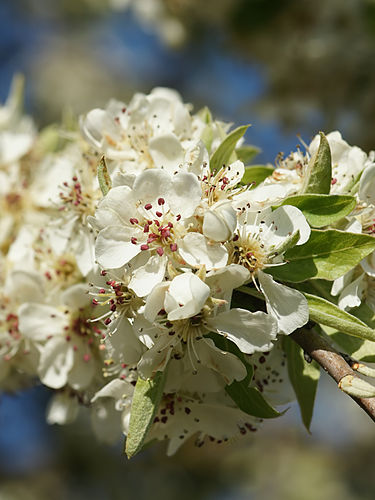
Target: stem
331, 361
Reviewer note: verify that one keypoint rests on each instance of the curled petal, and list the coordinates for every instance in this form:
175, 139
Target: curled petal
288, 306
251, 332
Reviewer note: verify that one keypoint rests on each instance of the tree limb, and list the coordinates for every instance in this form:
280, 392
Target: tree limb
331, 361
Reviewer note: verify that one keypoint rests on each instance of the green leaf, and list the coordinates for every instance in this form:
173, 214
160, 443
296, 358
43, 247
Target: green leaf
304, 378
319, 171
224, 152
321, 209
247, 153
205, 115
104, 179
248, 399
360, 350
326, 255
146, 400
256, 174
325, 313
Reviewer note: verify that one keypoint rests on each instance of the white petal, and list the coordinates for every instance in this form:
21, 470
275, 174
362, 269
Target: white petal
106, 421
92, 126
284, 222
225, 363
352, 294
166, 151
62, 409
39, 321
195, 156
185, 195
236, 172
123, 345
186, 296
76, 296
156, 358
83, 249
197, 251
219, 222
115, 389
56, 361
368, 264
251, 332
146, 277
25, 286
226, 279
155, 301
114, 248
83, 370
288, 306
340, 283
151, 185
367, 185
115, 209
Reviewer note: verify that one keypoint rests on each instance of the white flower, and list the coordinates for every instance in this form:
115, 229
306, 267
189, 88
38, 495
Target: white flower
211, 417
68, 343
347, 161
178, 316
260, 241
148, 224
147, 133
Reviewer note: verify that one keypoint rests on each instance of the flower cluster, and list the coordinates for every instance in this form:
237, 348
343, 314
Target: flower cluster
136, 252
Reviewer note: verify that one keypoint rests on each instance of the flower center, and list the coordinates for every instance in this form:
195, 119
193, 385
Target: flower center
248, 252
77, 199
162, 229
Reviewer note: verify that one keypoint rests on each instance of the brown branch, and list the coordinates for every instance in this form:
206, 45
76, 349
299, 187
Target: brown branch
331, 361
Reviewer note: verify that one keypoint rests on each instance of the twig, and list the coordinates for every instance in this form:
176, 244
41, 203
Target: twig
331, 361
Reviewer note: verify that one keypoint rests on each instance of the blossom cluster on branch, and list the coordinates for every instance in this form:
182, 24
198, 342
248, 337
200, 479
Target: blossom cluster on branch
150, 274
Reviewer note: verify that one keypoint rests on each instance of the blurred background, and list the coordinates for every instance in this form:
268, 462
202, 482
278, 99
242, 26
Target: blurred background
288, 67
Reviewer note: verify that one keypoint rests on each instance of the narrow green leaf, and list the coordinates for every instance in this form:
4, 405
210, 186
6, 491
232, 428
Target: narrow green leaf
319, 171
359, 349
15, 99
224, 152
104, 179
326, 255
325, 313
321, 209
250, 400
146, 400
247, 153
205, 115
256, 174
304, 378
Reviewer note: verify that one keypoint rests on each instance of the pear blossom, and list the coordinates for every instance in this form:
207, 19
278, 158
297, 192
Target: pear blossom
147, 225
348, 162
260, 240
69, 344
210, 417
177, 317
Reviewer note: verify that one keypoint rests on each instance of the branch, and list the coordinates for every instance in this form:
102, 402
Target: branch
331, 361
